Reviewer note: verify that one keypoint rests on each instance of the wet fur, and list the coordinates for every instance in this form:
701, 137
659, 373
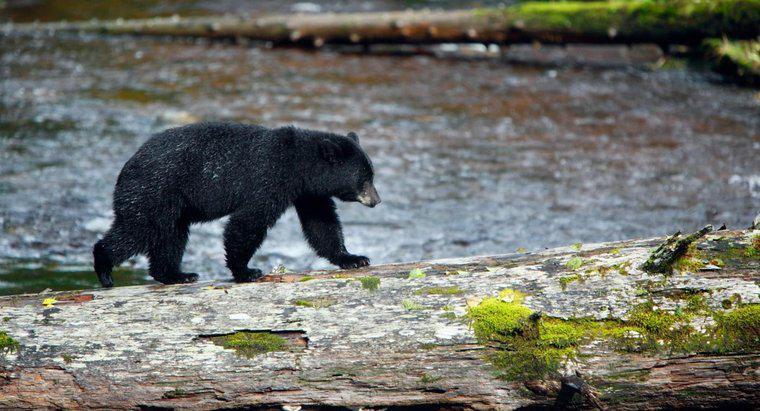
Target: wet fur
206, 171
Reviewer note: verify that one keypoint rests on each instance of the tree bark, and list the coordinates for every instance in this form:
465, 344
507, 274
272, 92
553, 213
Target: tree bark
408, 343
673, 22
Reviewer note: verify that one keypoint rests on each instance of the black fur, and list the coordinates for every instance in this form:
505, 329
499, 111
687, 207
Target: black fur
206, 171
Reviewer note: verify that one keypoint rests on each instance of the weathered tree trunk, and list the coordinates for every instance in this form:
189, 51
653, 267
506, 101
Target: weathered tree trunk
422, 336
685, 21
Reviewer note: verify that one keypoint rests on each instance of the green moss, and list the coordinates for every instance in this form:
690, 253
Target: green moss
497, 320
410, 305
692, 261
306, 278
738, 253
696, 304
648, 318
7, 343
457, 272
575, 263
526, 345
370, 282
314, 302
739, 60
753, 250
428, 379
622, 268
512, 296
67, 358
250, 344
415, 274
686, 20
561, 333
529, 362
566, 280
739, 329
453, 290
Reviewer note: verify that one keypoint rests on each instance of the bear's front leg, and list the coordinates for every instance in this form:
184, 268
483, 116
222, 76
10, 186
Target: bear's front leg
324, 233
242, 237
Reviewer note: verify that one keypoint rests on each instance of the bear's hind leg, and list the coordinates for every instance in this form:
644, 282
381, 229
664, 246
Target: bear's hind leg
165, 257
118, 244
242, 237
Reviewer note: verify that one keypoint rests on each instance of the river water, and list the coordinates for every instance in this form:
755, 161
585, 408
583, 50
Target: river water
472, 157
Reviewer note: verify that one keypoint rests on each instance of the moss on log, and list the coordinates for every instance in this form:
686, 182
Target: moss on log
737, 60
676, 21
496, 332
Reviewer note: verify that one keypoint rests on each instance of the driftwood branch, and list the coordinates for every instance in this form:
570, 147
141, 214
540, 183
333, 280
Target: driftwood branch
662, 259
404, 335
672, 22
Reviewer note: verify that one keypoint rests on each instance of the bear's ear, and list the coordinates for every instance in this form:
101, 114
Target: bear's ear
330, 151
353, 136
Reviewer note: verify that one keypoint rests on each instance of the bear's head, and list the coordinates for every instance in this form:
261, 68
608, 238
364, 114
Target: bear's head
346, 171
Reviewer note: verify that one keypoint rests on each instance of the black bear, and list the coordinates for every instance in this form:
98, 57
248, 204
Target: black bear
206, 171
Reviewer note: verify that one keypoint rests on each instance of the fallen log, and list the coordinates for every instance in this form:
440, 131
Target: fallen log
672, 22
579, 326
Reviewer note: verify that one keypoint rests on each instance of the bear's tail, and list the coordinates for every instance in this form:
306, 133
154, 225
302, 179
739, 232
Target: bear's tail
113, 249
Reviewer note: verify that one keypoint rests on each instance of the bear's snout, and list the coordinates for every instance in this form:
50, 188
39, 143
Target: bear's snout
368, 195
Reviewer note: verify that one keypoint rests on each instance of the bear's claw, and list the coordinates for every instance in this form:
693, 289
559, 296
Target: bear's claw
105, 280
248, 275
351, 261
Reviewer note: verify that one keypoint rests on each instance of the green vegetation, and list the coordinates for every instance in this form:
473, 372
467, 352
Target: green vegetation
734, 254
753, 250
321, 302
428, 379
7, 343
531, 346
575, 263
306, 278
684, 21
566, 280
250, 344
739, 329
415, 274
410, 305
692, 261
497, 320
738, 60
453, 290
370, 282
